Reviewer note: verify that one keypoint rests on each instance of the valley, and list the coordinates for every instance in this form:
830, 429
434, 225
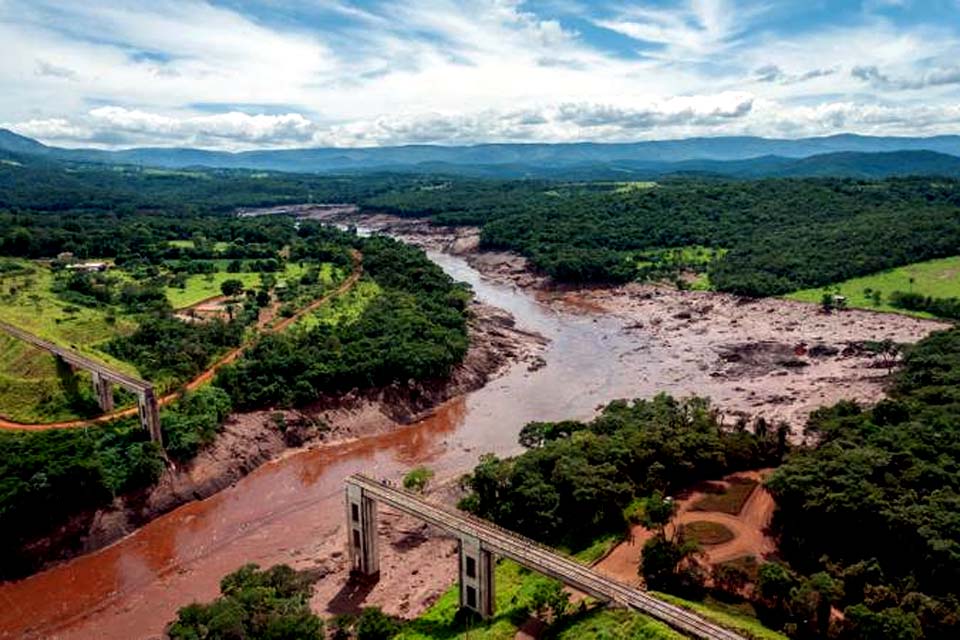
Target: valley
601, 344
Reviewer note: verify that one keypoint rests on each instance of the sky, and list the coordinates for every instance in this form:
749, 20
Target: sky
244, 74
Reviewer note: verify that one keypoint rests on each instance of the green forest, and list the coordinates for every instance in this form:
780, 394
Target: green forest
778, 236
158, 230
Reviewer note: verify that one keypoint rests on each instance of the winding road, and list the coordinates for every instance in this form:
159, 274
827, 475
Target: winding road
207, 375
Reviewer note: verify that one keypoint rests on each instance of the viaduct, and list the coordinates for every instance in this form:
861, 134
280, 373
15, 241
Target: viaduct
103, 380
481, 541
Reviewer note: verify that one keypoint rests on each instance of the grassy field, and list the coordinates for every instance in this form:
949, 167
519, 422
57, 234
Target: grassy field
345, 308
738, 618
27, 301
730, 500
629, 187
199, 287
219, 247
936, 278
707, 532
515, 587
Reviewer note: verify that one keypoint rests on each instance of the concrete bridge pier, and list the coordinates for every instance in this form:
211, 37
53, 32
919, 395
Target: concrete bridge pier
103, 390
476, 577
362, 533
149, 414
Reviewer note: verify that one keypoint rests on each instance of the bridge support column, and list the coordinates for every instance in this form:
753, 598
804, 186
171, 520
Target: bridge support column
362, 533
476, 577
103, 390
150, 414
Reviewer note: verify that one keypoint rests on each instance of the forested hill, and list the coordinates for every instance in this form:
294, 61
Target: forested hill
842, 155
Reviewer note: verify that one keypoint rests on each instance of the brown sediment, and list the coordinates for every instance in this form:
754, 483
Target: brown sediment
772, 358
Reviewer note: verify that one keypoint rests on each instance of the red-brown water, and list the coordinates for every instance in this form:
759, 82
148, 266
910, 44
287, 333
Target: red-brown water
285, 510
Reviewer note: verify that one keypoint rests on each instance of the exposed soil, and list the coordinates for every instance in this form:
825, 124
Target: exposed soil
749, 528
774, 358
250, 439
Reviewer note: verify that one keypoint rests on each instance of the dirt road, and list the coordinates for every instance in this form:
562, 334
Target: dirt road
749, 529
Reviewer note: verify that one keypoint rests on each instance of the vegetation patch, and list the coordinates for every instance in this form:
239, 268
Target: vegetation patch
707, 533
734, 618
782, 235
28, 301
521, 593
344, 309
932, 278
576, 479
273, 603
730, 499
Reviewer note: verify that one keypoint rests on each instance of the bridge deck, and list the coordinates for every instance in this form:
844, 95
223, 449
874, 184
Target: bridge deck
78, 360
542, 559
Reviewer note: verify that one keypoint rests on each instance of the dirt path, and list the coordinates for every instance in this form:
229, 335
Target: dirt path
263, 328
749, 529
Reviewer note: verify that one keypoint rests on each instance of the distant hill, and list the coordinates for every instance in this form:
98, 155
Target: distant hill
746, 157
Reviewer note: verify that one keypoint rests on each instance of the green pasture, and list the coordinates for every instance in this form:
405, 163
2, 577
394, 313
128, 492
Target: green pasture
27, 301
936, 278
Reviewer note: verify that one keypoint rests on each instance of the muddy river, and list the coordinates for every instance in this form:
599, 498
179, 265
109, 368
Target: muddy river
290, 510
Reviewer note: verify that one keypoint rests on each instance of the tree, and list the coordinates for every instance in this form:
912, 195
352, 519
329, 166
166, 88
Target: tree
774, 583
658, 511
813, 600
270, 604
729, 578
550, 598
374, 624
860, 623
263, 298
662, 559
231, 287
417, 479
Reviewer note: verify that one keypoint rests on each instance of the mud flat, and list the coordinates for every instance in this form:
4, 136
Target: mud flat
771, 358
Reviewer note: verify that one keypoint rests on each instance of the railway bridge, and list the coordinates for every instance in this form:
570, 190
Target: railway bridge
481, 541
104, 378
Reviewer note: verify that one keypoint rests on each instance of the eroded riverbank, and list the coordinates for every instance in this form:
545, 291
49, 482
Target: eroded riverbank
291, 510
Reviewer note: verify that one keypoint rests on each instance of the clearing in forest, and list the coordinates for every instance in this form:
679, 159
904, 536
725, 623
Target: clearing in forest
935, 278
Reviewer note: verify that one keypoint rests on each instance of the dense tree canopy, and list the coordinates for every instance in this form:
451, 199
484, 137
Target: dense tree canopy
782, 235
877, 502
271, 604
577, 478
414, 329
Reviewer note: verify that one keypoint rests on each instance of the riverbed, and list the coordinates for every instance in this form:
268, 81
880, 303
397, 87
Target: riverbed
290, 510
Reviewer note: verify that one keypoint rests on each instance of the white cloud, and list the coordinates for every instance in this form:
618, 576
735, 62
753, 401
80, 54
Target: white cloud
930, 78
125, 72
696, 31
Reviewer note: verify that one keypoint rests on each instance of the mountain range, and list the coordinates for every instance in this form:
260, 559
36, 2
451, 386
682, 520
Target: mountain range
845, 155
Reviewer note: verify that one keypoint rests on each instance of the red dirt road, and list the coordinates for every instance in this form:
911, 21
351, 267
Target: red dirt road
749, 529
206, 376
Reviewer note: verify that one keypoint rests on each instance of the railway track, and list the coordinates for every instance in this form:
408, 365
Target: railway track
543, 559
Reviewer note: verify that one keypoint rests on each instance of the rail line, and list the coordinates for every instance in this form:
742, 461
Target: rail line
543, 559
198, 381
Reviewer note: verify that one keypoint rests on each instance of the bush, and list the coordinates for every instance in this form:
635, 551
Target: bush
271, 604
417, 479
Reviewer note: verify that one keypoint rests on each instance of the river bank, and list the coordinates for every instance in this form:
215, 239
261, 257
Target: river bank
251, 439
771, 358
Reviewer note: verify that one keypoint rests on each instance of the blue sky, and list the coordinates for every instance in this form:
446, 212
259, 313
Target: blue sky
238, 74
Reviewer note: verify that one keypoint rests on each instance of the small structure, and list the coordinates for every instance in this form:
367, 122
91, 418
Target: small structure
89, 267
